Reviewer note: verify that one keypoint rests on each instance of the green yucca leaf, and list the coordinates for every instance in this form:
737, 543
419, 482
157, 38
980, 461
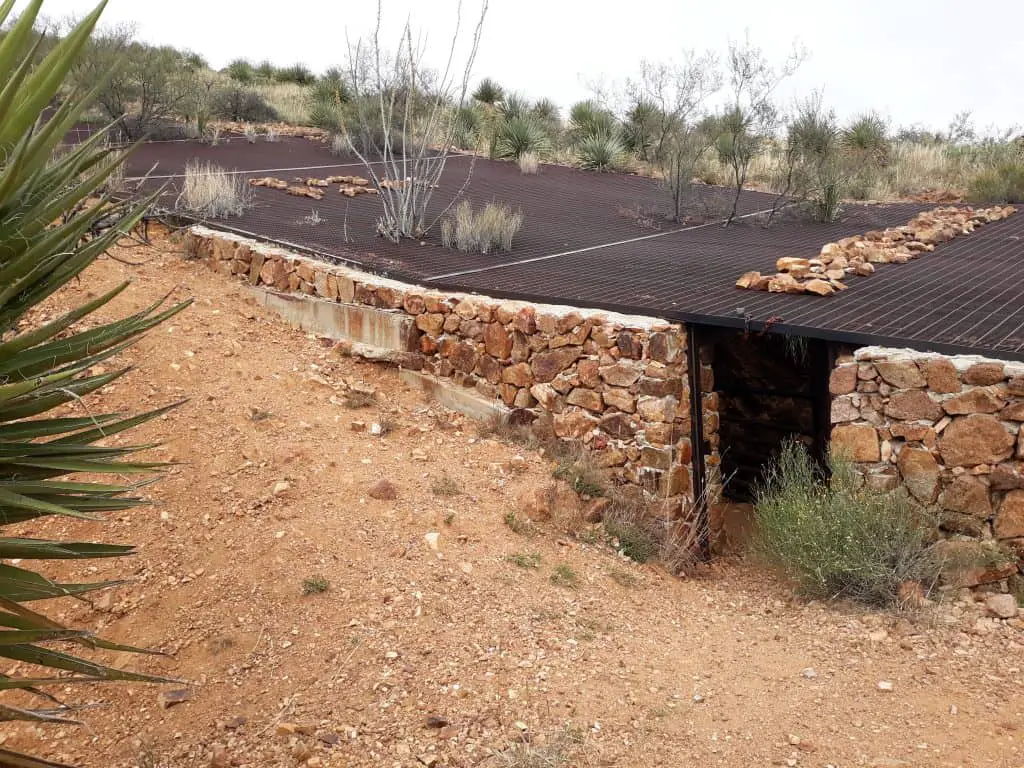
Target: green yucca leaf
41, 549
49, 217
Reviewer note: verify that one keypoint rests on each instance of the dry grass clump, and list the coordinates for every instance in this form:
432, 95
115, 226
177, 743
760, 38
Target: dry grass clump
490, 229
249, 131
289, 100
271, 136
212, 193
528, 163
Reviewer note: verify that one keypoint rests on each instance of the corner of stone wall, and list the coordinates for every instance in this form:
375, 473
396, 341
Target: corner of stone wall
616, 384
946, 428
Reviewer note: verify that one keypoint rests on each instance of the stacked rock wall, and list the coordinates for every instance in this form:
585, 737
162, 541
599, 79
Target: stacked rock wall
947, 428
617, 384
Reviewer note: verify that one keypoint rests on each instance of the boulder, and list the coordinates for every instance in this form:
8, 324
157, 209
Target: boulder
574, 424
968, 495
920, 473
497, 341
843, 379
661, 409
667, 347
975, 439
978, 400
985, 373
622, 374
913, 405
857, 442
902, 374
1009, 522
586, 398
520, 374
619, 425
620, 398
549, 363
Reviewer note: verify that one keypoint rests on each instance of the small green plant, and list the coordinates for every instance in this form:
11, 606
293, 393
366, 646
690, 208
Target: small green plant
315, 585
632, 539
449, 519
490, 229
445, 485
579, 471
600, 152
565, 576
525, 559
522, 526
624, 579
837, 537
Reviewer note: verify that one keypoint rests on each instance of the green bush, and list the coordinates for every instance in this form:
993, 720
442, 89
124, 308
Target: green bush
241, 71
587, 119
838, 538
297, 73
488, 91
242, 105
1002, 184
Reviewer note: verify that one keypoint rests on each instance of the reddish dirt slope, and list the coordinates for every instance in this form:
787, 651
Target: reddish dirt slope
631, 668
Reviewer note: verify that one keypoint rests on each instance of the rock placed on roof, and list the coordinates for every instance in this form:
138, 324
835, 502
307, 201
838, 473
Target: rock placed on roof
858, 255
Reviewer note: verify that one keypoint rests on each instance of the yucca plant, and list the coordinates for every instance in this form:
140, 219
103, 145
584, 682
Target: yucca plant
600, 152
488, 91
520, 136
587, 118
48, 236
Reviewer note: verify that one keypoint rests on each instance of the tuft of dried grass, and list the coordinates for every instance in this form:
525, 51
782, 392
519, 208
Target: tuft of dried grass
212, 193
490, 229
528, 163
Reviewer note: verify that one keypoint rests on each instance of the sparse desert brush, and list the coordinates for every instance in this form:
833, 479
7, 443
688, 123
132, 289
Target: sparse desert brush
840, 538
528, 163
488, 230
600, 152
1002, 184
249, 131
212, 193
339, 144
272, 136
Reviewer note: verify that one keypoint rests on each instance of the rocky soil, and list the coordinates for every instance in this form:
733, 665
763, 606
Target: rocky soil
435, 635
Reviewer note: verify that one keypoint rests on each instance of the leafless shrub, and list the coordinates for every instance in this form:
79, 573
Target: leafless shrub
250, 133
314, 219
213, 193
528, 163
271, 136
490, 229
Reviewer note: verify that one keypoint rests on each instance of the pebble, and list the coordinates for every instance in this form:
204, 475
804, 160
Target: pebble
885, 685
432, 539
809, 673
281, 487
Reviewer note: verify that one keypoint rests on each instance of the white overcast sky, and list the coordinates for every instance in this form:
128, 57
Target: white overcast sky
914, 61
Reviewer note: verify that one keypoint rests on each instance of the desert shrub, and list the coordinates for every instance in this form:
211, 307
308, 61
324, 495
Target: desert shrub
544, 109
265, 70
518, 136
467, 127
241, 71
578, 469
528, 163
289, 101
600, 152
297, 73
630, 528
837, 537
488, 91
272, 136
513, 106
491, 228
639, 131
1002, 184
212, 193
250, 133
242, 105
565, 576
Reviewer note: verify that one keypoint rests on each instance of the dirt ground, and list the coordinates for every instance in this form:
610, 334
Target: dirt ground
459, 656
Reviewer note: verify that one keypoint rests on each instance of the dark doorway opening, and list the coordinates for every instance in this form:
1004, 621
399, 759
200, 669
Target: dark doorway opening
770, 389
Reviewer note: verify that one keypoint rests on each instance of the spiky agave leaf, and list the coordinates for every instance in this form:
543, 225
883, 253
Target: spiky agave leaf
588, 118
48, 236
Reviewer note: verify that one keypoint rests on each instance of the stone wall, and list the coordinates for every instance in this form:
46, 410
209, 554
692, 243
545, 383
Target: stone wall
617, 384
946, 428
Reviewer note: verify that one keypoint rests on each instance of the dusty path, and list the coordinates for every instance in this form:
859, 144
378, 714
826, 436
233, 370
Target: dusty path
631, 668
